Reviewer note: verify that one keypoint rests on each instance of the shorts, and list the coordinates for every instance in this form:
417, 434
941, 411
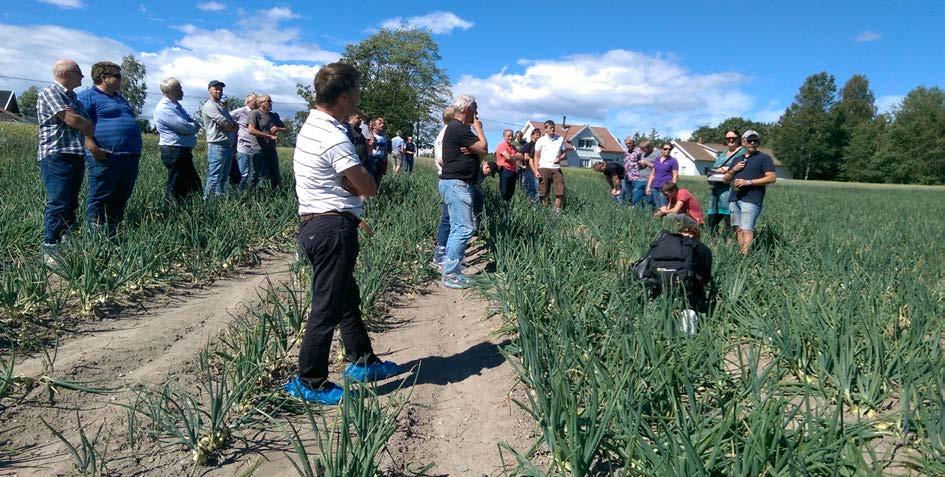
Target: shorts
552, 179
744, 214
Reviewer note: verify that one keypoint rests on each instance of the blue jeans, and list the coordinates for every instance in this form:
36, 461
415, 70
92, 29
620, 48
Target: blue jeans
219, 158
744, 214
634, 192
62, 178
249, 169
657, 198
443, 230
408, 163
111, 183
458, 197
529, 187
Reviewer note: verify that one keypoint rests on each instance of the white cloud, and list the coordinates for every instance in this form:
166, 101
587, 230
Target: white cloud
65, 3
886, 103
211, 6
246, 58
624, 90
437, 22
867, 36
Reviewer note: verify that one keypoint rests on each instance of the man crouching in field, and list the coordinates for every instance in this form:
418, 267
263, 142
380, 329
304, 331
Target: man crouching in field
330, 182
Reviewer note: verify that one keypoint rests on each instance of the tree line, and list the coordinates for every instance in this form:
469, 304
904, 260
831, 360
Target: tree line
827, 134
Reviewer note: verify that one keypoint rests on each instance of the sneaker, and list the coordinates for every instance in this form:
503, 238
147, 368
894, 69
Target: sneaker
439, 253
328, 394
51, 255
457, 281
372, 372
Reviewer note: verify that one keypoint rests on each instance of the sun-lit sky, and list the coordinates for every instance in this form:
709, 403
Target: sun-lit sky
630, 66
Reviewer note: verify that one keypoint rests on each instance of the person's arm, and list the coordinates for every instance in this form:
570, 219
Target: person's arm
277, 124
76, 121
730, 174
214, 115
481, 147
649, 184
358, 181
176, 123
252, 126
535, 158
675, 171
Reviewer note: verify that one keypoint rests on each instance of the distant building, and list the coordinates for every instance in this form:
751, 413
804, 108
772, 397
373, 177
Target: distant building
591, 143
695, 158
9, 109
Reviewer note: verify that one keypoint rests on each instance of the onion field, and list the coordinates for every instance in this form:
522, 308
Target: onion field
824, 353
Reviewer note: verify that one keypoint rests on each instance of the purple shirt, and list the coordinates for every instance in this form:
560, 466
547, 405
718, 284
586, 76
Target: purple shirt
663, 171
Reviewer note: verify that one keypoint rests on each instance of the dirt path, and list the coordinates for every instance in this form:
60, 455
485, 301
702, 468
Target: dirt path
460, 409
142, 347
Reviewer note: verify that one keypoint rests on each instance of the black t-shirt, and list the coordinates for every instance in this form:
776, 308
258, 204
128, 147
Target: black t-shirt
456, 165
264, 122
410, 147
755, 168
612, 169
527, 148
359, 142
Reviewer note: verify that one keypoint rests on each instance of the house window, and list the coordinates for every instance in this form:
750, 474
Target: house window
585, 163
585, 144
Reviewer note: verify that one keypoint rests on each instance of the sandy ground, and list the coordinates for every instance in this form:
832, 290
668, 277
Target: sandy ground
459, 384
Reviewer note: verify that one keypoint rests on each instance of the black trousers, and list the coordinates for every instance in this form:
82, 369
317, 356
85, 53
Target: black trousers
182, 177
331, 244
507, 181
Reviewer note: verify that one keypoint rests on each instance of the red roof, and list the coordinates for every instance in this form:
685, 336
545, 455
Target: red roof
608, 143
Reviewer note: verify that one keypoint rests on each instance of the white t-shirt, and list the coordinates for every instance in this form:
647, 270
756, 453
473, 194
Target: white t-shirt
550, 148
322, 152
438, 151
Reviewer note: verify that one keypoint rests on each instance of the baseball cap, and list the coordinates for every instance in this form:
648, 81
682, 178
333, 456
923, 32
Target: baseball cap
216, 83
749, 133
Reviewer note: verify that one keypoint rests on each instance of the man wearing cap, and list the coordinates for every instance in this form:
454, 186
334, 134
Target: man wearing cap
749, 176
217, 122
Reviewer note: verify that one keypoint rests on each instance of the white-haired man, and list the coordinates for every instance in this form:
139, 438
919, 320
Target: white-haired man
177, 133
246, 144
462, 149
265, 124
64, 131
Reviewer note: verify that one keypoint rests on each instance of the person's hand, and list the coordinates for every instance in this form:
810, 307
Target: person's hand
464, 150
615, 192
100, 154
738, 167
274, 129
740, 183
477, 123
648, 191
365, 227
274, 137
658, 214
538, 175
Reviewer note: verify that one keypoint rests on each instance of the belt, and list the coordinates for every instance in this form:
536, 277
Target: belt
303, 218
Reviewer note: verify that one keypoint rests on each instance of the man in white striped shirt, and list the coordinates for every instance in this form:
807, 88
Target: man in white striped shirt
330, 182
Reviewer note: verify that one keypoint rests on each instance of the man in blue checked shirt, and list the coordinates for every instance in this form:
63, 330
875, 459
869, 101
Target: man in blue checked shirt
178, 136
113, 162
64, 131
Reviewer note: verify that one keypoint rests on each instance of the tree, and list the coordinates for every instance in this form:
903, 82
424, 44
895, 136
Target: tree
807, 136
717, 134
27, 101
861, 162
857, 101
856, 112
400, 78
133, 85
915, 144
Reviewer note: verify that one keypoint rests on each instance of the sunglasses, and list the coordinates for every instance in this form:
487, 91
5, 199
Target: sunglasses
667, 149
731, 139
753, 140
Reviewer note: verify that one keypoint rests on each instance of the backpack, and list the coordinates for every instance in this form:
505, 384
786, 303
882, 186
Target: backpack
669, 262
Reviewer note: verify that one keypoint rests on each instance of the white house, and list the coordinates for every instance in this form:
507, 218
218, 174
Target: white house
591, 143
695, 158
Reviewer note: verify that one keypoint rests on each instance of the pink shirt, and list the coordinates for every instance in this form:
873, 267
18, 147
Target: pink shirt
508, 149
691, 206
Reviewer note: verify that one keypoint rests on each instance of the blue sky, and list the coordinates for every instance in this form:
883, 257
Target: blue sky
625, 65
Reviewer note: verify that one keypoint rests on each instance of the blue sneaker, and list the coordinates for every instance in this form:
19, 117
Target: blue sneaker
372, 372
328, 394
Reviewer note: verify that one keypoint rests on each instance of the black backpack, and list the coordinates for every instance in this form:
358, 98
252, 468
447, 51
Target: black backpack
669, 262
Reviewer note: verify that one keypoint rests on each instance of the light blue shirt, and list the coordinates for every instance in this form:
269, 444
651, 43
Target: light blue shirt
174, 125
397, 145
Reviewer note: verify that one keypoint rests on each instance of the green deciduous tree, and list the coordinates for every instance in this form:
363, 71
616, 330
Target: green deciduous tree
857, 101
856, 113
716, 134
861, 163
27, 101
915, 143
400, 78
133, 85
807, 137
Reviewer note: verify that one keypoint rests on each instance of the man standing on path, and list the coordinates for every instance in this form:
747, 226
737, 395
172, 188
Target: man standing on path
112, 176
246, 144
329, 183
265, 124
178, 136
462, 149
397, 151
749, 177
64, 131
410, 152
506, 155
217, 122
550, 150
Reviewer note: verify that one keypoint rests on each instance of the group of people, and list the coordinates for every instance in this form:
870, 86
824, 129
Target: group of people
97, 130
737, 184
374, 147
